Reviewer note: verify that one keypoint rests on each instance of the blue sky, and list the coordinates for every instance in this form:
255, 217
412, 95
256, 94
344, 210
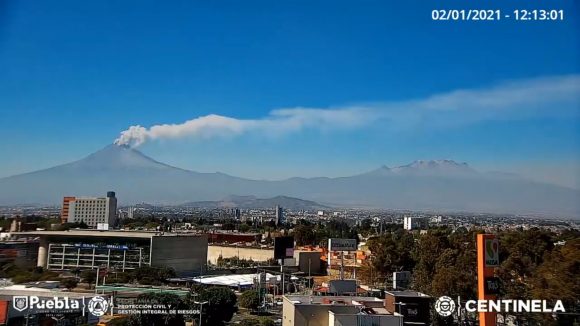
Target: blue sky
362, 83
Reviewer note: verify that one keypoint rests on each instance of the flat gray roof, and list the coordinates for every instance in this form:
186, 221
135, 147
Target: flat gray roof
407, 293
319, 299
97, 233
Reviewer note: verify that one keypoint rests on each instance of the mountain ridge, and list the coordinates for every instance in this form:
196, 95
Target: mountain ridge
435, 184
253, 202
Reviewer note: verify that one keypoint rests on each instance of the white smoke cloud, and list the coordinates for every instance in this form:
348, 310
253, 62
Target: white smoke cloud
277, 122
550, 96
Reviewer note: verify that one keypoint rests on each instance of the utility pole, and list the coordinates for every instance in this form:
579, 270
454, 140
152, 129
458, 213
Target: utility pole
309, 276
354, 268
200, 309
282, 270
342, 265
96, 280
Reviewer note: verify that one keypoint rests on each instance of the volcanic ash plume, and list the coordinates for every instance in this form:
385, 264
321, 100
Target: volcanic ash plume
134, 136
541, 97
277, 122
206, 126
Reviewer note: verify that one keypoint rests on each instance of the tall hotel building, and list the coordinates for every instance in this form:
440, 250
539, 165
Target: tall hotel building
91, 210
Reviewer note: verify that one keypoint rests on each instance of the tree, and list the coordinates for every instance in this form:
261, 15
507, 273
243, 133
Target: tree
429, 247
25, 277
250, 299
391, 252
366, 226
455, 275
257, 321
220, 306
35, 274
557, 279
47, 223
244, 227
304, 235
339, 229
520, 254
148, 275
77, 271
69, 282
444, 262
120, 277
89, 276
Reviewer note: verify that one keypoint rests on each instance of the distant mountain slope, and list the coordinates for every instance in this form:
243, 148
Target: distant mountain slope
252, 202
437, 185
134, 176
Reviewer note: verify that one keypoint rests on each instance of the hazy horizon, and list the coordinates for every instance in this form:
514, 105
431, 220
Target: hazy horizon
353, 173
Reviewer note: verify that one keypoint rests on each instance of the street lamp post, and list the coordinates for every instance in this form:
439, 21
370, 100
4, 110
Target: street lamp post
200, 303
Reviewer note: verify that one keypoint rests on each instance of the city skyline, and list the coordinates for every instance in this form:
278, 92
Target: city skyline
299, 95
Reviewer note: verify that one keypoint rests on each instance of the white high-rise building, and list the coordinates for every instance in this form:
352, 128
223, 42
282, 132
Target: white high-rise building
412, 222
92, 210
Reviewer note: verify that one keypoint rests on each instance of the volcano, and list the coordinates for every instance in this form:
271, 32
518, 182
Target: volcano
421, 185
129, 172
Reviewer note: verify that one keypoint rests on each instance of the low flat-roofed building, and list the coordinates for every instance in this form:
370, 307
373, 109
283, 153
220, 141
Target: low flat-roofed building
186, 253
20, 253
228, 237
304, 310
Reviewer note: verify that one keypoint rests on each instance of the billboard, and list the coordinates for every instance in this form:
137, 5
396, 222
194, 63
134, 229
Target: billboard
341, 287
283, 247
341, 244
401, 280
3, 312
492, 285
491, 253
487, 284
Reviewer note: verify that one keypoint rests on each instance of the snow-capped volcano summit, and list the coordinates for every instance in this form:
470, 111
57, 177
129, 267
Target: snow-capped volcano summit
431, 167
435, 164
434, 167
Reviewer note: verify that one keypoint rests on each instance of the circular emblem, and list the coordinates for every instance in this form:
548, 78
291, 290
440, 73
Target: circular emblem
98, 306
445, 306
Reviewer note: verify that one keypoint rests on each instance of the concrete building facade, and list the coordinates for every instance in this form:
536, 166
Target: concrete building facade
65, 208
90, 210
301, 310
279, 215
20, 253
255, 254
120, 250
